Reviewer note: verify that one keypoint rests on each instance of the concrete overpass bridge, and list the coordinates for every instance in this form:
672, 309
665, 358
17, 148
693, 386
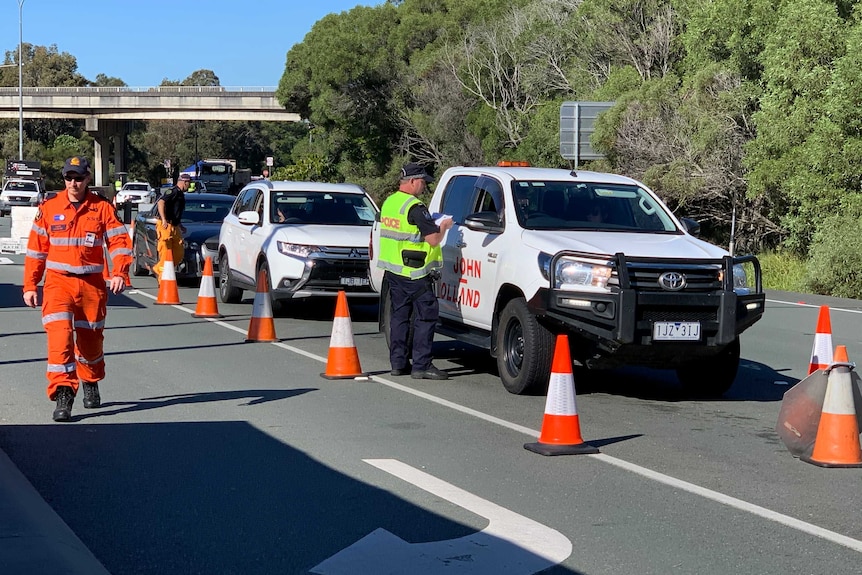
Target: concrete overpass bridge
108, 111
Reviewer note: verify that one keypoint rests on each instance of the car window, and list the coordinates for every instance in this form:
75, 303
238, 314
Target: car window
458, 197
206, 210
22, 186
246, 201
325, 208
489, 196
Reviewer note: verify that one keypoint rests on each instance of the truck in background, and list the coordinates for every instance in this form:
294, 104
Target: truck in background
221, 176
22, 185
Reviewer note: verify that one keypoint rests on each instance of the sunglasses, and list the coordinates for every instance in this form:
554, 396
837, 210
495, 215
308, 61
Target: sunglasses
76, 178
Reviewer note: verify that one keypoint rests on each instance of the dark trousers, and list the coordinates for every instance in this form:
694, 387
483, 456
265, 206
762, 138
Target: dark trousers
412, 301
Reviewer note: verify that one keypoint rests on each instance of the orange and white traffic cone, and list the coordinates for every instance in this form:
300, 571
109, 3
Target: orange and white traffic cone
261, 328
169, 293
561, 428
343, 360
207, 306
837, 443
821, 353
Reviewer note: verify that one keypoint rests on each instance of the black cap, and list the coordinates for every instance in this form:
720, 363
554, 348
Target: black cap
185, 178
414, 170
77, 165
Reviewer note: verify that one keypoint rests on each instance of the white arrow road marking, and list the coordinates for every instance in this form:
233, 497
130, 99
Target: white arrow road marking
5, 261
511, 544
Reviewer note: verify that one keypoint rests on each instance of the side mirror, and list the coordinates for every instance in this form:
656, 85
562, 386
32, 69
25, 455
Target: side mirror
690, 226
488, 222
249, 218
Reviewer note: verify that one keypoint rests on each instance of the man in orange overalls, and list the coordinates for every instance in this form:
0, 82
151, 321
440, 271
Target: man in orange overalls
171, 206
67, 240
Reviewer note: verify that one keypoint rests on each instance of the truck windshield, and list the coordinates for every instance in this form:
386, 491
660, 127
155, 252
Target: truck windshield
547, 205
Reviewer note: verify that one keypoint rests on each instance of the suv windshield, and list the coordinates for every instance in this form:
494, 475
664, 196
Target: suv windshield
327, 208
546, 205
136, 187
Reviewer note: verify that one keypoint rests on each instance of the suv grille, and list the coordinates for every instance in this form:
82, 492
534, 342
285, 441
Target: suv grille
331, 264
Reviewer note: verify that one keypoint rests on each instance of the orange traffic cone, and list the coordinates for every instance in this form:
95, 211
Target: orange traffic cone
207, 306
169, 294
837, 443
262, 326
821, 353
343, 360
561, 428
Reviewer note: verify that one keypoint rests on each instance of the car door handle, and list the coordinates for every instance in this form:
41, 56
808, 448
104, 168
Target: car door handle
461, 244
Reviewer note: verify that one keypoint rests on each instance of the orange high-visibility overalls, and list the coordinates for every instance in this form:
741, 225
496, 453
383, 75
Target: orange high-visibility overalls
66, 245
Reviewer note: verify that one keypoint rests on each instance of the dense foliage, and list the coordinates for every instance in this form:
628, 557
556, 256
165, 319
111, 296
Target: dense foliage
742, 114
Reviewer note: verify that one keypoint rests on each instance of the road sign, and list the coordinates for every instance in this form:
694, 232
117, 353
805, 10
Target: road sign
577, 124
269, 161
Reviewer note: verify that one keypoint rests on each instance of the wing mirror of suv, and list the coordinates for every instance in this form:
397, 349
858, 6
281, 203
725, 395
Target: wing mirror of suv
249, 218
690, 226
488, 222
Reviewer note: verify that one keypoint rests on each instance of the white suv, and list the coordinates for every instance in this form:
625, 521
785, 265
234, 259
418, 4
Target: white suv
311, 238
136, 193
19, 192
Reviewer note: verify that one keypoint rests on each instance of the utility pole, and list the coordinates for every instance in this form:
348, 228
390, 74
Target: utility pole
20, 80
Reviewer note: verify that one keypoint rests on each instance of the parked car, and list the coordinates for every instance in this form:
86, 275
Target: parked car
20, 192
311, 238
135, 193
201, 222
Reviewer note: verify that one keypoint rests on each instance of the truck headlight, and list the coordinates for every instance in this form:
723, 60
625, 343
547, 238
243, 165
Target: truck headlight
740, 280
297, 250
576, 274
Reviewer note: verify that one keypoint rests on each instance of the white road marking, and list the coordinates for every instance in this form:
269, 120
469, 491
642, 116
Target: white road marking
803, 304
511, 544
786, 520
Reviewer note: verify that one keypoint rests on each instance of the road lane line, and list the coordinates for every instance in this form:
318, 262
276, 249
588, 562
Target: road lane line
802, 304
786, 520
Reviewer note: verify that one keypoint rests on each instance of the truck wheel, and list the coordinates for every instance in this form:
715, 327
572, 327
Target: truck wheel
226, 290
713, 376
524, 349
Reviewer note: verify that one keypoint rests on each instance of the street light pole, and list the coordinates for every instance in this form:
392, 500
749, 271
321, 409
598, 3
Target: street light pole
20, 80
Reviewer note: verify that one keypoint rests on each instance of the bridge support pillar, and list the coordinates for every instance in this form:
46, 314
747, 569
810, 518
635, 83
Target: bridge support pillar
103, 133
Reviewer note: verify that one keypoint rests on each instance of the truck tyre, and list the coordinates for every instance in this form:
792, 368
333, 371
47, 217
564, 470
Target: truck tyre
711, 377
226, 290
137, 269
524, 350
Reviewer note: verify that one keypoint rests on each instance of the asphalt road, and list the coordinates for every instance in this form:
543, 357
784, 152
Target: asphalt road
211, 455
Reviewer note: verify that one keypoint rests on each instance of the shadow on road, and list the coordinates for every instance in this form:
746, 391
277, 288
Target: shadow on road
215, 498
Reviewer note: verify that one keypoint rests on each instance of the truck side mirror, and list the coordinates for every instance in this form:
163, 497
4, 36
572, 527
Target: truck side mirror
690, 226
488, 222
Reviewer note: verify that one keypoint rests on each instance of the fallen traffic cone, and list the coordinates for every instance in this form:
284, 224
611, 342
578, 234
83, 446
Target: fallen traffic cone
262, 326
207, 306
561, 428
821, 353
837, 443
343, 360
169, 293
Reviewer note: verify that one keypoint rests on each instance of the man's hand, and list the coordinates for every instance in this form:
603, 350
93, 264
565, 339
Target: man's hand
116, 285
31, 298
164, 223
446, 224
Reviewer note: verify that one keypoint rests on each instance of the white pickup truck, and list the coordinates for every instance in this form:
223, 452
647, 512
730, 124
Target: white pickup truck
535, 252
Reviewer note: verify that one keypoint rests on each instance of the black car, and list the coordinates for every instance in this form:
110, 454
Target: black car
202, 221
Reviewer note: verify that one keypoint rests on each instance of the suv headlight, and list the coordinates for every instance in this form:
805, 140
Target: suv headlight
298, 250
579, 274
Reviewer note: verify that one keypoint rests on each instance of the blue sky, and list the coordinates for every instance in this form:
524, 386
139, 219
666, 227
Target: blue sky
144, 41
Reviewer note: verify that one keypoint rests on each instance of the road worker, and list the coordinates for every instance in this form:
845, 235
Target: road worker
410, 253
171, 205
66, 245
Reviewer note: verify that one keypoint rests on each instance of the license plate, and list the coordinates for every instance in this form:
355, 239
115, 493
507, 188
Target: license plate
354, 282
676, 331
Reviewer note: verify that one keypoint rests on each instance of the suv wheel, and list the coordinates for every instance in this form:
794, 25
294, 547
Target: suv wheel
226, 290
713, 376
524, 349
274, 304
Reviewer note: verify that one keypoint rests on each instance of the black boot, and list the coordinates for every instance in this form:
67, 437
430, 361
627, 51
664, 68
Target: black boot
65, 398
92, 399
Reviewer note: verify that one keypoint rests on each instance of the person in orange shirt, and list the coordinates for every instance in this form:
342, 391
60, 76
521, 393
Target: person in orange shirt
66, 246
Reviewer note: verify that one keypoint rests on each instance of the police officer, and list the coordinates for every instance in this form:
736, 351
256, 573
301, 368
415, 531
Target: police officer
171, 205
410, 253
66, 245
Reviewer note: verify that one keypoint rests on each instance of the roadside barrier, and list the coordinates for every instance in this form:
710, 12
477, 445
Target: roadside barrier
207, 306
343, 359
561, 428
169, 293
821, 353
261, 327
837, 443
